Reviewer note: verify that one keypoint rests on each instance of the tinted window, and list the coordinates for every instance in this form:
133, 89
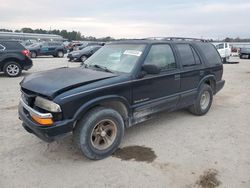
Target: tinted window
12, 45
186, 54
162, 56
210, 53
196, 57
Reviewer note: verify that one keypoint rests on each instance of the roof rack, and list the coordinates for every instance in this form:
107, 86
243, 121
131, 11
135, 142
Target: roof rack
176, 39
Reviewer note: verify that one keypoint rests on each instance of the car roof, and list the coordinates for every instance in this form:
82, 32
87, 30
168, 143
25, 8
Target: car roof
152, 41
9, 41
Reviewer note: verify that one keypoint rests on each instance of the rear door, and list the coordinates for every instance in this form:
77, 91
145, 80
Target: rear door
52, 48
44, 50
191, 72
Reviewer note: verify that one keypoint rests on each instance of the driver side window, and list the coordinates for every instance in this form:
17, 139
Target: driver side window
162, 56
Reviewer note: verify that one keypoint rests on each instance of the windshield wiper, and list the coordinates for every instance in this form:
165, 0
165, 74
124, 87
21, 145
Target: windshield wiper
103, 68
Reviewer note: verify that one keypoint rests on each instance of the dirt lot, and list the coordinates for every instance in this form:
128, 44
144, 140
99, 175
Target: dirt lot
182, 150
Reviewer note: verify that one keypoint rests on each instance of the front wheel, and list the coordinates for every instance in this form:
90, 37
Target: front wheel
99, 133
12, 69
203, 101
83, 58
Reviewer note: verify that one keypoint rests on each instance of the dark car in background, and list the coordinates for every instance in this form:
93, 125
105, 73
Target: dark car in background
83, 55
86, 44
244, 53
14, 58
56, 49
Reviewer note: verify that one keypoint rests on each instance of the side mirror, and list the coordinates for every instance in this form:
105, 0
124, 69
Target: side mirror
151, 69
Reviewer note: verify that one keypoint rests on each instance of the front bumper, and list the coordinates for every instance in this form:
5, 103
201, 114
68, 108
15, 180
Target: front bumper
46, 133
73, 58
219, 85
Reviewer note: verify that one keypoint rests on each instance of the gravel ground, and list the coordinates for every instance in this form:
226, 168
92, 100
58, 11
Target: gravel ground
185, 146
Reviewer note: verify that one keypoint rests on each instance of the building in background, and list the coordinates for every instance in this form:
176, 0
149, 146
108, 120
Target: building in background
30, 36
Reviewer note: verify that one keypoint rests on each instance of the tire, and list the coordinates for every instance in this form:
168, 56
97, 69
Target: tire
12, 69
203, 101
93, 140
224, 59
60, 54
33, 54
83, 58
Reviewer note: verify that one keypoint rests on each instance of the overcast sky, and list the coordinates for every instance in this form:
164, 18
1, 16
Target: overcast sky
131, 18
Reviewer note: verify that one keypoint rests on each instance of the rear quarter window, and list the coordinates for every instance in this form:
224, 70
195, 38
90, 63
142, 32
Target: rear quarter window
12, 45
210, 53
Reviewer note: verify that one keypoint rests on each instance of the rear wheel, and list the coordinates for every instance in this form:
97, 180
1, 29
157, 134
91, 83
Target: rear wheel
203, 101
60, 54
99, 133
33, 54
12, 69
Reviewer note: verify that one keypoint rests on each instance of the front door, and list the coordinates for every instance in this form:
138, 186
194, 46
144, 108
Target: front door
157, 92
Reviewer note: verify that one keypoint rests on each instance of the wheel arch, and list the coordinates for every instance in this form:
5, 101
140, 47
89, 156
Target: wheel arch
9, 59
209, 80
118, 103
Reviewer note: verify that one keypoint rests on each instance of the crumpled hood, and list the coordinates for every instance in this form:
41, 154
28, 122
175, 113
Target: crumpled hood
53, 82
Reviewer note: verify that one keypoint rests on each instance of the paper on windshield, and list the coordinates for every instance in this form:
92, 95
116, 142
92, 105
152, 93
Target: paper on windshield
133, 52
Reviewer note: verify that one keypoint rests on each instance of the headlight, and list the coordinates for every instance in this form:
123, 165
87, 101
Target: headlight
47, 105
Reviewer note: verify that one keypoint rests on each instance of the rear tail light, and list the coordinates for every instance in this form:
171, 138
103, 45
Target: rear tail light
26, 52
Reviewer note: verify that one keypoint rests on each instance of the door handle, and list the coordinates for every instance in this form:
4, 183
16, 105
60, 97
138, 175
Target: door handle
177, 77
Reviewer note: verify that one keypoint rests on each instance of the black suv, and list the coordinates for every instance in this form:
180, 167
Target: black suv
13, 58
47, 48
244, 53
122, 84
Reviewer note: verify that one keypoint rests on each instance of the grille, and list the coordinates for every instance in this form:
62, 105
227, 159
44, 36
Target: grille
28, 97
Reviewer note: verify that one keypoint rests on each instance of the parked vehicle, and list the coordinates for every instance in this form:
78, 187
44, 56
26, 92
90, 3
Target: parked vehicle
224, 50
83, 55
47, 48
244, 53
97, 101
73, 46
14, 58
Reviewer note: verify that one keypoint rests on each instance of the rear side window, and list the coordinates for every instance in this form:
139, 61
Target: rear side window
187, 55
210, 53
196, 57
12, 45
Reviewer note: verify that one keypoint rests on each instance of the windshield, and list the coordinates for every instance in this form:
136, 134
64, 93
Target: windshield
117, 57
220, 46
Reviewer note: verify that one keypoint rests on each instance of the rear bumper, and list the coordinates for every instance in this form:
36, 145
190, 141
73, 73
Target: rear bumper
27, 64
46, 133
219, 85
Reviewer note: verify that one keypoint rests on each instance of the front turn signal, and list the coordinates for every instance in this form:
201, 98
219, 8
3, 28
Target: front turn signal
42, 121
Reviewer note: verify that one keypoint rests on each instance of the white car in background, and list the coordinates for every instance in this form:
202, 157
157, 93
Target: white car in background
224, 50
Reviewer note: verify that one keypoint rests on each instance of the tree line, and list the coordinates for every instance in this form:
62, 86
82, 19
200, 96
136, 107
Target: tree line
76, 35
70, 35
